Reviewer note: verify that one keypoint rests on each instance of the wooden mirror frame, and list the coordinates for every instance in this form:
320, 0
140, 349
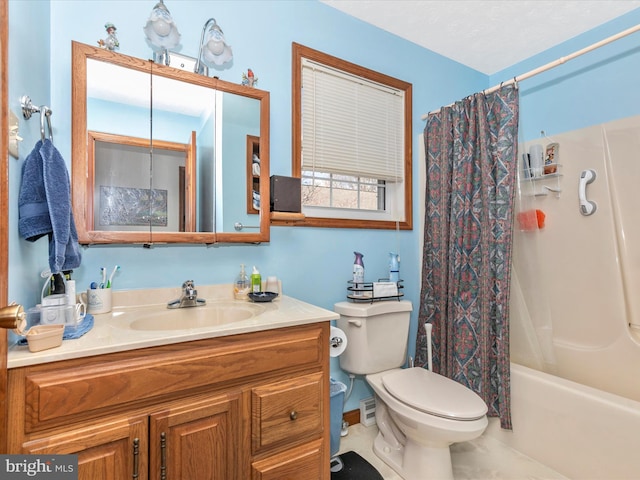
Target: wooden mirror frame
82, 188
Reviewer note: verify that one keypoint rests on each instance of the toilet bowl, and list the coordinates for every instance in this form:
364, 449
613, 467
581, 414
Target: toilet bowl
419, 415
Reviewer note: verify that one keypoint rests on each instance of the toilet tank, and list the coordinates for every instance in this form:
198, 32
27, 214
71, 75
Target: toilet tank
377, 335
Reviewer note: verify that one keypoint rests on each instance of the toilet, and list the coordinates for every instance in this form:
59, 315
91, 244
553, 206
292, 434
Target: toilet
419, 413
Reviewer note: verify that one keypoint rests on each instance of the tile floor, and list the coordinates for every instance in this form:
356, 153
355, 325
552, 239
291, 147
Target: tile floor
482, 459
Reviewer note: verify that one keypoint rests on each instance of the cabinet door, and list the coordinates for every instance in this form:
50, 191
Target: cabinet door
197, 440
300, 463
108, 450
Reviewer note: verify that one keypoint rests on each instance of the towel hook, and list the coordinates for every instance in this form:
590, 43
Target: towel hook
28, 109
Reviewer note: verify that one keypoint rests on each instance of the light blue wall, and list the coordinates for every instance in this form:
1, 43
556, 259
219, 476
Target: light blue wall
28, 75
597, 87
314, 264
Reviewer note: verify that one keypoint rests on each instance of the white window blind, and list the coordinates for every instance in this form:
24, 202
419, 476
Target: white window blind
351, 125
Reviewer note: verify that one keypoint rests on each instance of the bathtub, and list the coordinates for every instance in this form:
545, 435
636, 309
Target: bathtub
579, 431
574, 349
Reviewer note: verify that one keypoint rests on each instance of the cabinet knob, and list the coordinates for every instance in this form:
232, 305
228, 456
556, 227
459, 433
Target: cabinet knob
293, 415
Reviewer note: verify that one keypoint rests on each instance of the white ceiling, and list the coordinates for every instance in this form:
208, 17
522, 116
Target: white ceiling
486, 35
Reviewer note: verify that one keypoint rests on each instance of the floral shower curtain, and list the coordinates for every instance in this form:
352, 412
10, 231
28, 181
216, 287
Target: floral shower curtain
471, 156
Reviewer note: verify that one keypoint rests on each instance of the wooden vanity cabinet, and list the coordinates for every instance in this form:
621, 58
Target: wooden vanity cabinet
249, 406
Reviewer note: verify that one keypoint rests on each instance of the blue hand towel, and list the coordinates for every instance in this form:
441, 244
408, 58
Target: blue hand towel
44, 205
76, 331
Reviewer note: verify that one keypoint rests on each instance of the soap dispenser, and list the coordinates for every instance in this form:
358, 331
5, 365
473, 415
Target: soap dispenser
241, 285
256, 281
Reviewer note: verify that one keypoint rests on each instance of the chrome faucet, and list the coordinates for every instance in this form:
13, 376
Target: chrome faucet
189, 297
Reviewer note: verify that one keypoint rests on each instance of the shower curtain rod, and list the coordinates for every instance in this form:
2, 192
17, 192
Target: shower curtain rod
554, 64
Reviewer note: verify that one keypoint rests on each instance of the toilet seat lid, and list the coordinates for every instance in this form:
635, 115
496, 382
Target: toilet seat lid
434, 394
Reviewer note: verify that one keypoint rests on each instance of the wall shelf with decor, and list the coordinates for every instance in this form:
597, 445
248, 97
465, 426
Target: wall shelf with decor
541, 166
544, 184
366, 292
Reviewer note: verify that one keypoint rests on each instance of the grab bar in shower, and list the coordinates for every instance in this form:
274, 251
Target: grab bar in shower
586, 207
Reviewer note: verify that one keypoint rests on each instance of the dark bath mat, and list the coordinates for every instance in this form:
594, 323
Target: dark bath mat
354, 468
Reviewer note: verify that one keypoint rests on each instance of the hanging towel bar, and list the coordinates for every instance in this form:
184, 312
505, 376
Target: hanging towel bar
239, 226
28, 109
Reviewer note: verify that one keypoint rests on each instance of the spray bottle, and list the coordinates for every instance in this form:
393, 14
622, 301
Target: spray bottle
394, 267
358, 275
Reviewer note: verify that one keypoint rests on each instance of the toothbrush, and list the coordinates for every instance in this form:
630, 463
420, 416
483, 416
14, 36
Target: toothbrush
104, 276
115, 269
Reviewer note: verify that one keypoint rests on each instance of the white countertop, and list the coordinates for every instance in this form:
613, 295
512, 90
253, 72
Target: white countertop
112, 332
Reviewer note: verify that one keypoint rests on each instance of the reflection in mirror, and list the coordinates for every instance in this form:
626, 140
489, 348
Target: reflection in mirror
240, 117
253, 174
125, 199
163, 153
122, 101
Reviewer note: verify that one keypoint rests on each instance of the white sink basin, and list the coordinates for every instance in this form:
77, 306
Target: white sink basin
211, 314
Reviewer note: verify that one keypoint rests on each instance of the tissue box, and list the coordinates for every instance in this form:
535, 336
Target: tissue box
285, 194
385, 289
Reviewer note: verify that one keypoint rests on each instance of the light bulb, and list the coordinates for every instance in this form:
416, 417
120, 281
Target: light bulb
213, 49
216, 47
161, 27
161, 31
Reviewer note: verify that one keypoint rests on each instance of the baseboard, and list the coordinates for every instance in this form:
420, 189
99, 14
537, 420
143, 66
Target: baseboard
352, 417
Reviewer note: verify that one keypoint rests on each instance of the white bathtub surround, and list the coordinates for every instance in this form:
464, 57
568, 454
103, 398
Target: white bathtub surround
571, 309
578, 431
576, 282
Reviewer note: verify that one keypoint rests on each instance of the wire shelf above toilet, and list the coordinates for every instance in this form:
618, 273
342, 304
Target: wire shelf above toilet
364, 292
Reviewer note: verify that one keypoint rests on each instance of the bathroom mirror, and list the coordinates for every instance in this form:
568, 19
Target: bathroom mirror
159, 155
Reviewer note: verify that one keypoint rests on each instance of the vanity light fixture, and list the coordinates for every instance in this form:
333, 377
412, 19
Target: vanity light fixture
162, 34
213, 47
161, 31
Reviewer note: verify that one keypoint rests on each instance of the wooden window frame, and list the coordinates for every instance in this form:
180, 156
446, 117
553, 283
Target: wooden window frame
298, 53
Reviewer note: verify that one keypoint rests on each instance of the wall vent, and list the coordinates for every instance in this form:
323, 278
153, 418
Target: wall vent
368, 411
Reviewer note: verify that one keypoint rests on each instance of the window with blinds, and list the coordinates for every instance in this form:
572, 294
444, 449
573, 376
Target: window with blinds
351, 125
352, 143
